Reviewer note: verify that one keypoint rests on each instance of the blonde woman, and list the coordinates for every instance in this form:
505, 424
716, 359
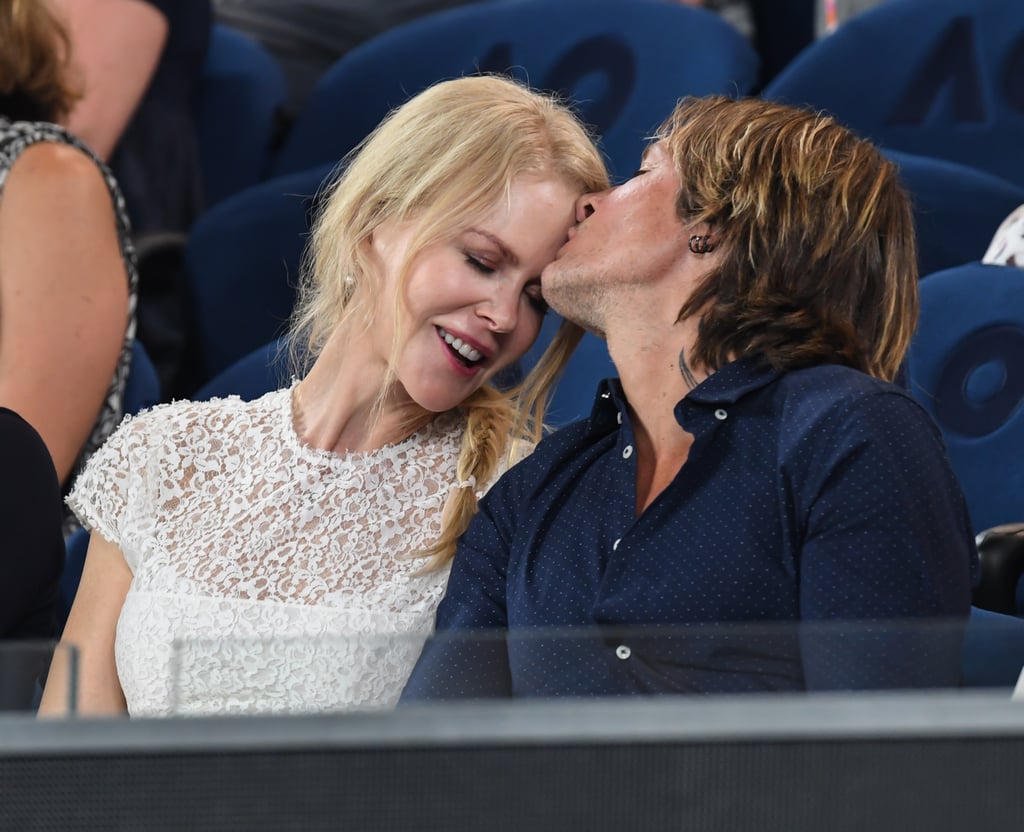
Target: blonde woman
288, 554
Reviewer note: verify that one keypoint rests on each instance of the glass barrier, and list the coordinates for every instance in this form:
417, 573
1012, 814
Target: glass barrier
369, 671
287, 675
24, 668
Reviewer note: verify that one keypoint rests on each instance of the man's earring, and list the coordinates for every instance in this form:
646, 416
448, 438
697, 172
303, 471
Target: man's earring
701, 244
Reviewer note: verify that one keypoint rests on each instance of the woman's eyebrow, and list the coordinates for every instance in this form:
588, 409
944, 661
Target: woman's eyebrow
506, 252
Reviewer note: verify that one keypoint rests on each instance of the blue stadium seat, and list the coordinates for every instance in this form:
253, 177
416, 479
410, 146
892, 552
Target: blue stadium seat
966, 368
624, 64
956, 208
938, 78
142, 387
242, 263
262, 370
241, 101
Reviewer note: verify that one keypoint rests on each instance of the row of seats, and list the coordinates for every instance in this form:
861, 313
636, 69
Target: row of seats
624, 63
938, 78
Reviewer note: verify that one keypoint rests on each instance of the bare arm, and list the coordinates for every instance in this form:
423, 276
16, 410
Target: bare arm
63, 296
91, 628
116, 46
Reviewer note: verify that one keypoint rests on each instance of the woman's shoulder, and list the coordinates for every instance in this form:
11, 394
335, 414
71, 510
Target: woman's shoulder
45, 149
50, 144
61, 169
53, 182
169, 435
183, 415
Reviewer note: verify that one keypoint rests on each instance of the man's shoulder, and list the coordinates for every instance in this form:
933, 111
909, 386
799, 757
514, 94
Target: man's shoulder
834, 385
551, 453
832, 400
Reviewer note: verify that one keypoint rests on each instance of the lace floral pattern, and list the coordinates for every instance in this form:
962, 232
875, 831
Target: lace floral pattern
268, 576
15, 137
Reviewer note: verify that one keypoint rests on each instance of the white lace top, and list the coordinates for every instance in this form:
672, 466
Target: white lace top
268, 576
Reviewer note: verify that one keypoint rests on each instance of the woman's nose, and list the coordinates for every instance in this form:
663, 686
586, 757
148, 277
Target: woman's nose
501, 310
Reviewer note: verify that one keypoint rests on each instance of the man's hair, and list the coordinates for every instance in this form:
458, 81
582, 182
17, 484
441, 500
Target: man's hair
817, 260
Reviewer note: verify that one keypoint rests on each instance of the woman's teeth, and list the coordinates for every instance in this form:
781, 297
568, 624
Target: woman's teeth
462, 348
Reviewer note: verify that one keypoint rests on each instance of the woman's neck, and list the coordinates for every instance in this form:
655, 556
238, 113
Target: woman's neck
337, 407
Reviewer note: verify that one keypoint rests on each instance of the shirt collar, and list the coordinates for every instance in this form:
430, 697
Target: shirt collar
733, 381
727, 385
609, 401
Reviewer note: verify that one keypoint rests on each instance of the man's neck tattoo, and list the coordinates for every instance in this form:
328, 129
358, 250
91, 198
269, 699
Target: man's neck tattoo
688, 378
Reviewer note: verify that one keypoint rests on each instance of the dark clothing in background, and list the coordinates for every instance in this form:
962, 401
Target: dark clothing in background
156, 161
307, 36
32, 548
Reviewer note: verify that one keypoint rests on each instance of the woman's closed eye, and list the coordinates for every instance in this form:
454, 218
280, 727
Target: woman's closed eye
480, 265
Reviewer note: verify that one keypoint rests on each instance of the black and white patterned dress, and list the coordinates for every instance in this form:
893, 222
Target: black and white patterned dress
14, 138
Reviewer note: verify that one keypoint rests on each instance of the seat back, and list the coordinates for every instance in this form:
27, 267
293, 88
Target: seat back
624, 64
261, 371
934, 77
241, 102
957, 208
242, 264
966, 368
142, 387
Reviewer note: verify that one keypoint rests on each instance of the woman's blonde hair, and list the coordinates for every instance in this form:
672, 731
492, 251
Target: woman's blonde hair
34, 62
442, 160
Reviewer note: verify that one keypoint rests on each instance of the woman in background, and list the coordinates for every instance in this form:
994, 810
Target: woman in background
67, 269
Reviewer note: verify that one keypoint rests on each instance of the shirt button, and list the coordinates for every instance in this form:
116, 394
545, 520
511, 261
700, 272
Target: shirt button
615, 545
721, 415
627, 452
618, 417
623, 652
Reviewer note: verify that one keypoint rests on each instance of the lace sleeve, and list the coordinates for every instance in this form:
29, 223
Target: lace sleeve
114, 476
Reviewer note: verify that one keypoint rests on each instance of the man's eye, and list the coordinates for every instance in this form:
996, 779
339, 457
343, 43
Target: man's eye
633, 175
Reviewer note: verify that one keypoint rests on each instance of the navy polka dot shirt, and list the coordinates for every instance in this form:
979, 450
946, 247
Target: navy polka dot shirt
811, 497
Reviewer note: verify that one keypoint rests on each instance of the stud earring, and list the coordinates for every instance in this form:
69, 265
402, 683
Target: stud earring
701, 244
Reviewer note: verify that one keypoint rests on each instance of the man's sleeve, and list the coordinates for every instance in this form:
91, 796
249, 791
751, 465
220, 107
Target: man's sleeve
889, 558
